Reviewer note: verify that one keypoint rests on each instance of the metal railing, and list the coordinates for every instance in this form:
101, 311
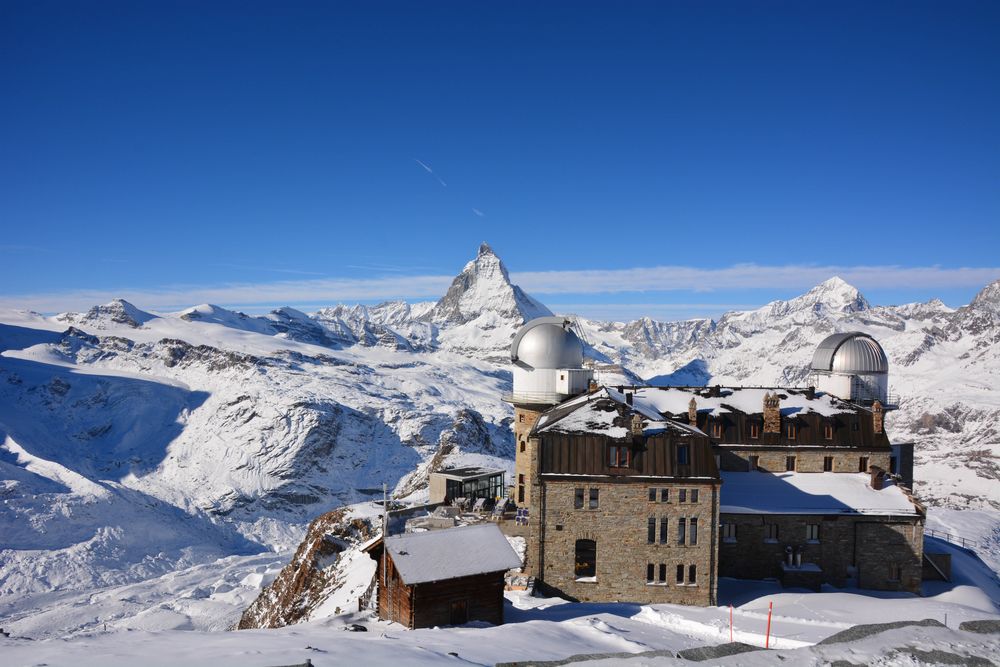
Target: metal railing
957, 540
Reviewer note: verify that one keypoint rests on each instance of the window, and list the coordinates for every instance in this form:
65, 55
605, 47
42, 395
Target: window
694, 495
790, 431
522, 445
663, 530
892, 465
520, 479
578, 498
649, 572
863, 464
683, 455
716, 430
618, 456
663, 573
586, 559
827, 464
693, 532
520, 493
771, 532
812, 532
651, 530
680, 574
652, 495
754, 462
790, 463
692, 574
828, 431
895, 572
594, 499
855, 426
681, 530
664, 495
729, 532
682, 495
520, 418
754, 429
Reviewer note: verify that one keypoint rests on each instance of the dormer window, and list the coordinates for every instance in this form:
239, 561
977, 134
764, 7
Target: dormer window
828, 431
790, 431
716, 430
754, 429
683, 455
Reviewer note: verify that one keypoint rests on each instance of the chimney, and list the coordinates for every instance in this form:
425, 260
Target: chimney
878, 477
772, 413
636, 424
715, 391
592, 386
878, 416
810, 393
693, 412
628, 398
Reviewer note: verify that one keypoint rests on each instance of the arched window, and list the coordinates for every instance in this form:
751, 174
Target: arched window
586, 559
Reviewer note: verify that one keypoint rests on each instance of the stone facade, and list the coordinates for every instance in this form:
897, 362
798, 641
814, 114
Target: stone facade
736, 458
620, 528
863, 548
525, 453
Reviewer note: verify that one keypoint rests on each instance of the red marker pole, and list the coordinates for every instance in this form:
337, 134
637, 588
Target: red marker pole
730, 624
767, 638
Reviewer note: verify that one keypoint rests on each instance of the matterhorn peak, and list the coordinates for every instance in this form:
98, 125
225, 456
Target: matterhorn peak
484, 286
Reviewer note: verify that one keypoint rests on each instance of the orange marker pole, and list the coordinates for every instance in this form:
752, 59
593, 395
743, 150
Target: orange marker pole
730, 624
767, 638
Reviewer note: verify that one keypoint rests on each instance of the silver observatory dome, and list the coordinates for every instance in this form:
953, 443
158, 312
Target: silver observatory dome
547, 342
851, 353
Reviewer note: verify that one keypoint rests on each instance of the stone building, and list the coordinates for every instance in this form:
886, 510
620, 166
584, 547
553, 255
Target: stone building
792, 483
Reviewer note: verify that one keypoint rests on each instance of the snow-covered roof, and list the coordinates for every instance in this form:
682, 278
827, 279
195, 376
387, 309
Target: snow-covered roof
451, 553
600, 413
810, 493
748, 400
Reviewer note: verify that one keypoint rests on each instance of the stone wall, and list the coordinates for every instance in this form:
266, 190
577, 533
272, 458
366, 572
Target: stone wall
620, 529
870, 544
525, 454
807, 458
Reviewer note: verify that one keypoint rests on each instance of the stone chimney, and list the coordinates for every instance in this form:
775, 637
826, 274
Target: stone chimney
772, 413
693, 412
878, 416
636, 425
878, 477
592, 386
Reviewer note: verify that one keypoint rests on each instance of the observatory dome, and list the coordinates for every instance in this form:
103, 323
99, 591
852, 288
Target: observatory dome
547, 342
851, 353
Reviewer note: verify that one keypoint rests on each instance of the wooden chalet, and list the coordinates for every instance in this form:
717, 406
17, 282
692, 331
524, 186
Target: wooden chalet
443, 577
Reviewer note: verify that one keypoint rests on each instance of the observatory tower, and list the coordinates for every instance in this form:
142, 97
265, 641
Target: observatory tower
852, 366
548, 368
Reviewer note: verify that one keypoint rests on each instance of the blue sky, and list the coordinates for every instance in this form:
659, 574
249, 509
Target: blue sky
262, 154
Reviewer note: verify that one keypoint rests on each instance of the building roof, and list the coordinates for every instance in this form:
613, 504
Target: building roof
607, 412
851, 352
468, 472
451, 553
746, 400
811, 493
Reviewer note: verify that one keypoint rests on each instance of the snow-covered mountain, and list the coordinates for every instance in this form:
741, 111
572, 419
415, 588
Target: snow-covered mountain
137, 444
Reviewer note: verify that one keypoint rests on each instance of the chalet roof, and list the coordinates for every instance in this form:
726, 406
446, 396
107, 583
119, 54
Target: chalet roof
747, 400
607, 412
811, 493
451, 553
